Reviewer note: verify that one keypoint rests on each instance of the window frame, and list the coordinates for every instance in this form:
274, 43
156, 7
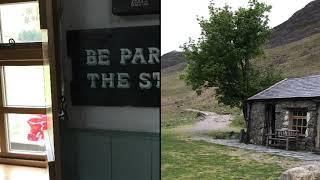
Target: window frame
13, 56
301, 118
49, 11
15, 1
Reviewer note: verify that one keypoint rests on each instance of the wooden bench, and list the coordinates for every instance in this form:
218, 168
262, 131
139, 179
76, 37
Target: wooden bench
282, 136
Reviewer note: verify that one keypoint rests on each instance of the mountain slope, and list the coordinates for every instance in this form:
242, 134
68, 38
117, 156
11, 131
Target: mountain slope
303, 23
296, 59
172, 58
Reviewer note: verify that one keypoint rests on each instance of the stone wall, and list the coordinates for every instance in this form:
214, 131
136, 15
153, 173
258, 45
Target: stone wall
282, 111
257, 127
318, 132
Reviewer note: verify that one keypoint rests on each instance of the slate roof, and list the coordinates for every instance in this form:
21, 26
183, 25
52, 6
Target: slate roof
292, 88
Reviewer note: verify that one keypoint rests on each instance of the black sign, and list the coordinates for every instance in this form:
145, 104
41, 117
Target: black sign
115, 67
135, 7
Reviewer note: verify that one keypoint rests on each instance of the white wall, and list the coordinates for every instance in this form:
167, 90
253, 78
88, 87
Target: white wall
96, 14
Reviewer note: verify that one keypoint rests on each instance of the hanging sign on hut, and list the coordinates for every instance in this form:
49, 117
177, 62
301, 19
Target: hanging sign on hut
115, 67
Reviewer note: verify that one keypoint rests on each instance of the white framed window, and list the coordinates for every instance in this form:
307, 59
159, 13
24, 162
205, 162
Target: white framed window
299, 120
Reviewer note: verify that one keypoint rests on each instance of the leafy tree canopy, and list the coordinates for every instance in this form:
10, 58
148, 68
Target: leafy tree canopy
30, 36
223, 57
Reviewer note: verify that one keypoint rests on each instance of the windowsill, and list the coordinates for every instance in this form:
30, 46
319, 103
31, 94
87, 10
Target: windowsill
24, 162
22, 51
301, 135
34, 157
14, 1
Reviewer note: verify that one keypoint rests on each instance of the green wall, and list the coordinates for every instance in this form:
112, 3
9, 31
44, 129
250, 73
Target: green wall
110, 155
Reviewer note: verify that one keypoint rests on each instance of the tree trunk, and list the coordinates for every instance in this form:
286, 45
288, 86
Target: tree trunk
244, 111
246, 119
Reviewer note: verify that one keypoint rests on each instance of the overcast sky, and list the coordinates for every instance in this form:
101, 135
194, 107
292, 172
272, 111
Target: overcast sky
178, 17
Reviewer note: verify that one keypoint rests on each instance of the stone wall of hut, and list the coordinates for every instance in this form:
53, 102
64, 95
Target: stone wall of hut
282, 112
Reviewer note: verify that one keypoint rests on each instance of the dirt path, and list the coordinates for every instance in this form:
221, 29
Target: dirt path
210, 121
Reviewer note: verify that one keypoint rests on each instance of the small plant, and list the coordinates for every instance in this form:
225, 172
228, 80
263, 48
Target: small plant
30, 36
238, 121
224, 134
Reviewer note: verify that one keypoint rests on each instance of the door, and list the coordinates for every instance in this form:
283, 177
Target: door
270, 118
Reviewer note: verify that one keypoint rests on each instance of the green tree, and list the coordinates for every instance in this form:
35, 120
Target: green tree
30, 36
31, 32
223, 57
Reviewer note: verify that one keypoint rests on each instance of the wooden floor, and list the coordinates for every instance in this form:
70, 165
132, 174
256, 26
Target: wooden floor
8, 172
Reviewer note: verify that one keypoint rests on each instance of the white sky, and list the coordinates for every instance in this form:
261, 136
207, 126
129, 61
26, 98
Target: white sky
178, 17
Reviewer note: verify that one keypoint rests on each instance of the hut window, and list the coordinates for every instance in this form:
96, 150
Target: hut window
299, 120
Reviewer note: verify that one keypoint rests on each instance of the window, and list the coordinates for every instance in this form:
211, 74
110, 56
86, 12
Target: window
299, 120
23, 120
23, 90
23, 110
20, 21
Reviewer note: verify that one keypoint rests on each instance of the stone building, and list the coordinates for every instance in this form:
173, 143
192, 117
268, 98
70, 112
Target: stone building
291, 103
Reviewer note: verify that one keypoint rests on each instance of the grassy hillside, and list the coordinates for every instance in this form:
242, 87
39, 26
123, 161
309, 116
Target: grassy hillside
176, 97
300, 58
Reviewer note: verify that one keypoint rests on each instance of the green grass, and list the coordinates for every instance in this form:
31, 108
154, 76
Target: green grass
183, 159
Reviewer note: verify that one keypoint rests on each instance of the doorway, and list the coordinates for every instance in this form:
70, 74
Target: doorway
270, 118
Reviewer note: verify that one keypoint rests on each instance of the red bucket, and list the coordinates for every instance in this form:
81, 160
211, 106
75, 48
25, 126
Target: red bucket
38, 124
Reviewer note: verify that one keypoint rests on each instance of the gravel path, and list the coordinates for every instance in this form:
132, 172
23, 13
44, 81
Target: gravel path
210, 121
306, 156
